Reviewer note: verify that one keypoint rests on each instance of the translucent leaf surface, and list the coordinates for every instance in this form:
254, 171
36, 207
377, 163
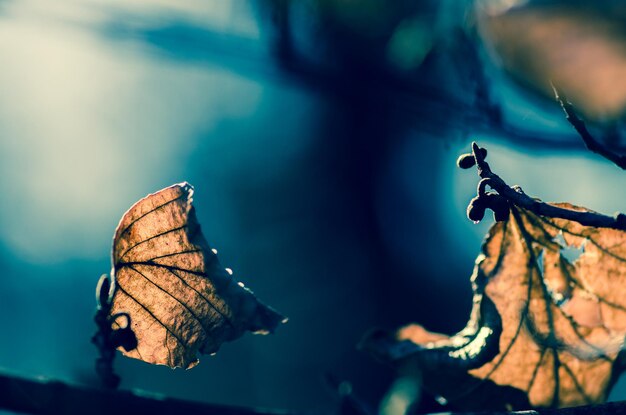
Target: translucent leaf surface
548, 322
180, 300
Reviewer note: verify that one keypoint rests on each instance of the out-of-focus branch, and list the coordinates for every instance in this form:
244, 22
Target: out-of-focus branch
591, 143
54, 397
610, 408
516, 196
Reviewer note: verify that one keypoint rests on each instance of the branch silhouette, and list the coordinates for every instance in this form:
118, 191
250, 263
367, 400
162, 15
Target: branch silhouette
55, 397
515, 195
591, 143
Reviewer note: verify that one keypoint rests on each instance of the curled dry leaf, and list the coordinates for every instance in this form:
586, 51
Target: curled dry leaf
168, 280
547, 326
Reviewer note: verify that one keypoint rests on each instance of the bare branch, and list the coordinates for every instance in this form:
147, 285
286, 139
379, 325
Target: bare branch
516, 196
591, 143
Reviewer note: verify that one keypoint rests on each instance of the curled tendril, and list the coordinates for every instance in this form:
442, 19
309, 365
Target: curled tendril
114, 317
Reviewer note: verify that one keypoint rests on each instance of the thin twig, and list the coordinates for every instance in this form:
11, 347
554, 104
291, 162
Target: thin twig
516, 196
591, 143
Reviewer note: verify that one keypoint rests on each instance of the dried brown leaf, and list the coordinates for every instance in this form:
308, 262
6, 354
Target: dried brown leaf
549, 319
180, 300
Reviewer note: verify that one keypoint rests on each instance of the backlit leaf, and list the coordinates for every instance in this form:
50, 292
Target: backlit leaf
548, 322
180, 300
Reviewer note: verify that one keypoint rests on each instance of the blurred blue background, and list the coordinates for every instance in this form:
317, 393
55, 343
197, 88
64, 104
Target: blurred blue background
321, 138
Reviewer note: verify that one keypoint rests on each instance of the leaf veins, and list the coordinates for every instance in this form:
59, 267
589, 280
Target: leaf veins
562, 323
180, 300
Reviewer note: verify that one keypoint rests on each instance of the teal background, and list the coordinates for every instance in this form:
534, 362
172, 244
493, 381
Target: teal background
337, 203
